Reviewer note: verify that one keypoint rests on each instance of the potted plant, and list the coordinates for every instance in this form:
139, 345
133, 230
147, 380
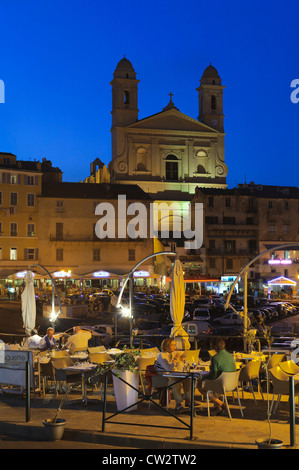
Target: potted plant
269, 443
123, 368
55, 426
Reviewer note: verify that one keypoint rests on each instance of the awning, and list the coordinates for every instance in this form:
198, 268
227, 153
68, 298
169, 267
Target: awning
198, 279
268, 246
100, 274
282, 281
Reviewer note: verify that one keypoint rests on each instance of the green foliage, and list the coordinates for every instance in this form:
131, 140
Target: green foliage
123, 361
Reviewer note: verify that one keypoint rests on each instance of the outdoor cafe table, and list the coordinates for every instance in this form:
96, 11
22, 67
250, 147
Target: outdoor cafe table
249, 357
81, 368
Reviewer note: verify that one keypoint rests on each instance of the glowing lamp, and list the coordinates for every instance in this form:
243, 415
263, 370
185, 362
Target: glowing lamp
62, 273
101, 274
141, 274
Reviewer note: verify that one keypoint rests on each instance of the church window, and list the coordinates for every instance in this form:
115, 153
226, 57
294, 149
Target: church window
213, 103
141, 159
172, 168
200, 169
126, 97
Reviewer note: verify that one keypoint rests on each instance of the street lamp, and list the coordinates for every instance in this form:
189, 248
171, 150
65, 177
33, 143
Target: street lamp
130, 277
53, 314
244, 271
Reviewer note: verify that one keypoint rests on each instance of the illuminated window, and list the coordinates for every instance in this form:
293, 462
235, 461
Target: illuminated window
13, 254
30, 230
13, 179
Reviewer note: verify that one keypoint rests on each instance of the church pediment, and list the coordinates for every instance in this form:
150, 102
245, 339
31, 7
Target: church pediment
172, 120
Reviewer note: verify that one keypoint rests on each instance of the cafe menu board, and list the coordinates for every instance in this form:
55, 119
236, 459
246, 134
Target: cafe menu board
13, 366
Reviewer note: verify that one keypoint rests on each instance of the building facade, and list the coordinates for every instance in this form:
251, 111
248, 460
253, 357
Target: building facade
168, 151
20, 187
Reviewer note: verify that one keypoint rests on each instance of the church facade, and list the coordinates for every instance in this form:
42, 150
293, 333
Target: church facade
167, 151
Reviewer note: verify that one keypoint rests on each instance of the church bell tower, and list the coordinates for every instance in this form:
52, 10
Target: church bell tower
210, 95
124, 94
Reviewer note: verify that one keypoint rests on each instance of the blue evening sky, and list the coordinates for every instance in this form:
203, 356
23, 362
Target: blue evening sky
58, 57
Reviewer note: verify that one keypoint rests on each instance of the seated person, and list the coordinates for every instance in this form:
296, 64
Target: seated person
33, 340
223, 361
167, 360
79, 340
48, 341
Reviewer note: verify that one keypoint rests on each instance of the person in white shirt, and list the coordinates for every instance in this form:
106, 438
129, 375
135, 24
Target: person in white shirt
33, 341
79, 340
167, 360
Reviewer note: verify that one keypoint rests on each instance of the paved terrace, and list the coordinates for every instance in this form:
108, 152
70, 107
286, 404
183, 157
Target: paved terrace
84, 423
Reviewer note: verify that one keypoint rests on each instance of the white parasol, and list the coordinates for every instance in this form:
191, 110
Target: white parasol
28, 303
177, 307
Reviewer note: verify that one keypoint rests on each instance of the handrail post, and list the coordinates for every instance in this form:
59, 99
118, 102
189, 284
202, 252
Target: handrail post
28, 385
292, 411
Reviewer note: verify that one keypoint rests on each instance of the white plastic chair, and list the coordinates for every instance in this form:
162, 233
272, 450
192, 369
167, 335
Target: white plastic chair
280, 382
226, 382
248, 373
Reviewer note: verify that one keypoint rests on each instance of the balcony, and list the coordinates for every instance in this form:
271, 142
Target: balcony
90, 238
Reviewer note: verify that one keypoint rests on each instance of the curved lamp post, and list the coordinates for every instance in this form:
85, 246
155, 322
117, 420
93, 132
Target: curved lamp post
53, 314
130, 278
244, 271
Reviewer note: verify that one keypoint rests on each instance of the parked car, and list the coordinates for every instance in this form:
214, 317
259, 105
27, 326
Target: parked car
201, 314
108, 329
148, 328
197, 327
138, 343
108, 292
205, 302
229, 319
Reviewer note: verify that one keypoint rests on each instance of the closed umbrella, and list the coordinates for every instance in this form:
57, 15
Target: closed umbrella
177, 307
28, 303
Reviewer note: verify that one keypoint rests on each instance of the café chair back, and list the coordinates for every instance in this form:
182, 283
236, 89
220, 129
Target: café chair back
280, 383
144, 352
190, 355
142, 363
274, 360
157, 382
289, 367
74, 350
212, 352
226, 382
61, 375
248, 373
99, 357
46, 372
58, 354
96, 349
